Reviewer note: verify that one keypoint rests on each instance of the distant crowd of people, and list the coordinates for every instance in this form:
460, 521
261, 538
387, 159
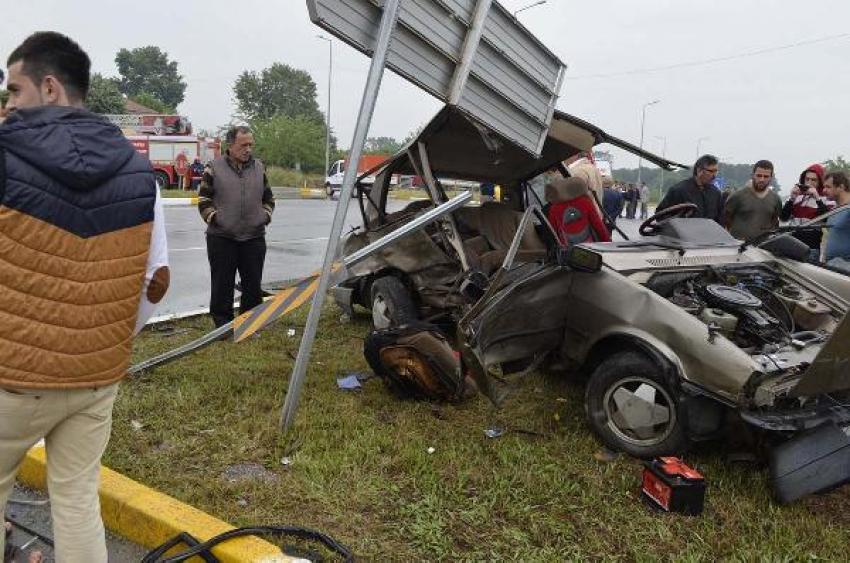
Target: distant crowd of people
579, 215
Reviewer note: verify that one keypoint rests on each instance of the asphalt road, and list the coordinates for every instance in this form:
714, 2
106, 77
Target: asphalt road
296, 242
32, 509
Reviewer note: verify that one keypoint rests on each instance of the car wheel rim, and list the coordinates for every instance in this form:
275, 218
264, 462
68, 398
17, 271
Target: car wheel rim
380, 313
639, 411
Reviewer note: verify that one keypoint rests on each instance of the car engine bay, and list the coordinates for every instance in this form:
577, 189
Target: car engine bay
781, 324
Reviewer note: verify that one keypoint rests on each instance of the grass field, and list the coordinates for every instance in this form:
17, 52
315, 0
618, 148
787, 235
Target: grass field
360, 468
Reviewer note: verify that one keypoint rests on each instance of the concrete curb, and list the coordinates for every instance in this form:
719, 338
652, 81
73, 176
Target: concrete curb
150, 518
175, 201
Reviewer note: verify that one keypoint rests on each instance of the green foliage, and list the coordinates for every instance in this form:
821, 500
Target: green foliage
837, 164
4, 97
279, 89
147, 69
150, 101
104, 95
285, 177
381, 145
291, 142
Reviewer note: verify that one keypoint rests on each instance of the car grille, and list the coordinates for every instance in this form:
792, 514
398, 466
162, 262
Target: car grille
693, 260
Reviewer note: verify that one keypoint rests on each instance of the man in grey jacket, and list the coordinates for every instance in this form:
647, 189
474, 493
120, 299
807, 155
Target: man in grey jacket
236, 203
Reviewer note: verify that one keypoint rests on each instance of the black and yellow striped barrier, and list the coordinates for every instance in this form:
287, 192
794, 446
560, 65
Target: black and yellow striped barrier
285, 301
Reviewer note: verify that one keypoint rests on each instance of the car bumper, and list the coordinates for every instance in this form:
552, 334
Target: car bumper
798, 420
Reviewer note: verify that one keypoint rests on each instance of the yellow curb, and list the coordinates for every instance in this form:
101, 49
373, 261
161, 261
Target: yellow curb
194, 201
150, 518
312, 193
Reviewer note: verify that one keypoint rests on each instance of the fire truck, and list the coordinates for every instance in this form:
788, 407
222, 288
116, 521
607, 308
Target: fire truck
167, 141
171, 155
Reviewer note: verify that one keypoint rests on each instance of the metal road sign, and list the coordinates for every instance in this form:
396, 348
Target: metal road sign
469, 53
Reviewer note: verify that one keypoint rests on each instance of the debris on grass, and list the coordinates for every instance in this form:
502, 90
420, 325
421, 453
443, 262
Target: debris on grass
606, 456
242, 472
494, 432
349, 382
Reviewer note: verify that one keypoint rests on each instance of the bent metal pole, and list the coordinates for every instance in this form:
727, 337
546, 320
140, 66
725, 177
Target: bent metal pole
364, 118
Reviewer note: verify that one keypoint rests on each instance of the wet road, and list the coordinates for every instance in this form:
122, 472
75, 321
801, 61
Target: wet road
296, 242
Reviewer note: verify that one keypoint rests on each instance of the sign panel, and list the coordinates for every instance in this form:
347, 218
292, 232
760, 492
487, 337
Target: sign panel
469, 53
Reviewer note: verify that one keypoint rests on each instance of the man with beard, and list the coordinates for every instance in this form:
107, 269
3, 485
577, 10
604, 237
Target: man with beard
699, 190
753, 210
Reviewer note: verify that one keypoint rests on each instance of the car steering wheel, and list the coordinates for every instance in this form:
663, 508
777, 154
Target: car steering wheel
651, 226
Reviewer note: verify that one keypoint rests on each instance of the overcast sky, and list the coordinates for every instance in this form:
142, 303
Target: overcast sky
790, 106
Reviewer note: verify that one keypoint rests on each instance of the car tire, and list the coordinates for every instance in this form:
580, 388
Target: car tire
329, 191
631, 407
392, 304
162, 180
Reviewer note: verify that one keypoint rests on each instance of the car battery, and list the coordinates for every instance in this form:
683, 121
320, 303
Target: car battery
671, 485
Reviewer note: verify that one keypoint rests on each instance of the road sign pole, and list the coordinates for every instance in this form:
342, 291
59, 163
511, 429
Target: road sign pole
364, 118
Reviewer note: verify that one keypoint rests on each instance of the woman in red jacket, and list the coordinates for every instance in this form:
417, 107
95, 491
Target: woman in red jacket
574, 216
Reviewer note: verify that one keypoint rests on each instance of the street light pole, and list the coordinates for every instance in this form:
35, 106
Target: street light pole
642, 120
328, 114
699, 143
538, 3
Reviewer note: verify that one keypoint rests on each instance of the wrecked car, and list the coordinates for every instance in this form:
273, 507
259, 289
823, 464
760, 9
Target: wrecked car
680, 330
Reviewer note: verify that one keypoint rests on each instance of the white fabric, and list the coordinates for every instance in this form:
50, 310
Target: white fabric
157, 258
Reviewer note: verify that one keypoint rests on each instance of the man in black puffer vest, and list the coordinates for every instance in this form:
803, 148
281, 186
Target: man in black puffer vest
82, 246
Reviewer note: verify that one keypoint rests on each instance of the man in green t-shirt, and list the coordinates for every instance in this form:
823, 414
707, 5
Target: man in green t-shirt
754, 209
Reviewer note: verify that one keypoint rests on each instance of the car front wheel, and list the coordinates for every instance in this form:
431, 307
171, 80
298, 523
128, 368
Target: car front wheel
391, 303
632, 409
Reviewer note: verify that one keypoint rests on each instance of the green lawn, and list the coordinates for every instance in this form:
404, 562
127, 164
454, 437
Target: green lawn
361, 471
178, 193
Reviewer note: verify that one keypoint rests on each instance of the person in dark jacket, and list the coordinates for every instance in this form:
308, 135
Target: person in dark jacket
699, 190
236, 203
84, 260
612, 203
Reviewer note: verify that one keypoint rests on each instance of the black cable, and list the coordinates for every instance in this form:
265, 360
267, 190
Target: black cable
203, 549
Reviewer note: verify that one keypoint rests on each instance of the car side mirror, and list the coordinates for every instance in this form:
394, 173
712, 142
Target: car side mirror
580, 259
786, 246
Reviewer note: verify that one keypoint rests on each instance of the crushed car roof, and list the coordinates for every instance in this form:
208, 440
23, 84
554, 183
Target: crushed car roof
460, 147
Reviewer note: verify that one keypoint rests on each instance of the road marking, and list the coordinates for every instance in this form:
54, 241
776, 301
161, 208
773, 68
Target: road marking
272, 243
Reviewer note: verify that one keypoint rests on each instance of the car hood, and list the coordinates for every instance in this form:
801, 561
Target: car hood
830, 370
462, 148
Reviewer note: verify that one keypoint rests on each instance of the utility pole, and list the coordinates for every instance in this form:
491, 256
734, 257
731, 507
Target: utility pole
642, 120
328, 114
699, 143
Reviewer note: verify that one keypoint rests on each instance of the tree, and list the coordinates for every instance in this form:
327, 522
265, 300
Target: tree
151, 101
147, 69
837, 164
381, 145
104, 95
279, 89
291, 142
